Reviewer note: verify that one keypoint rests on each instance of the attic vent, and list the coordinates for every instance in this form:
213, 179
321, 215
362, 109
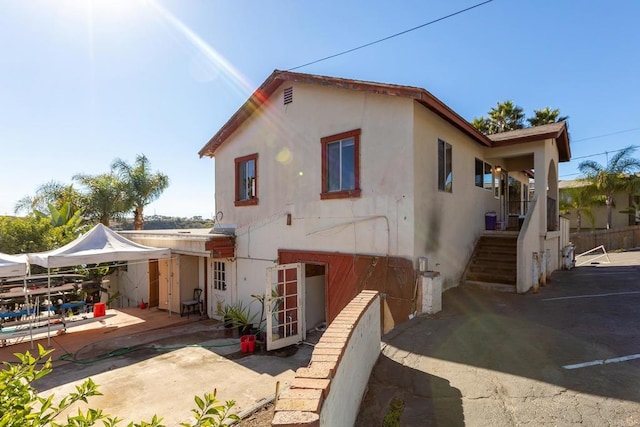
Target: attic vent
288, 95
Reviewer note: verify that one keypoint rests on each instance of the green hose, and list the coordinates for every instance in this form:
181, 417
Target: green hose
69, 357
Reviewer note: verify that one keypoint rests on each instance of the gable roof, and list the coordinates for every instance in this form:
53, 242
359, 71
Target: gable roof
557, 131
262, 94
422, 96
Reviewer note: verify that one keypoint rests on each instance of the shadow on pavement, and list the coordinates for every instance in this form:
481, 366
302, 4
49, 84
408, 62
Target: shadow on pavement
582, 315
428, 400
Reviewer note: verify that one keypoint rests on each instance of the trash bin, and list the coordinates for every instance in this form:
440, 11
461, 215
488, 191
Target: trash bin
490, 219
248, 343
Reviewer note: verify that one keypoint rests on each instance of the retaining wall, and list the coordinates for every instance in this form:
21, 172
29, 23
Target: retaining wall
328, 392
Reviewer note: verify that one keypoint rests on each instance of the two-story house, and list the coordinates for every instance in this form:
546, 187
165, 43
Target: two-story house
335, 185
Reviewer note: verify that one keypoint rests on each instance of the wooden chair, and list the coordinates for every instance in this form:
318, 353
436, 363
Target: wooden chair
194, 305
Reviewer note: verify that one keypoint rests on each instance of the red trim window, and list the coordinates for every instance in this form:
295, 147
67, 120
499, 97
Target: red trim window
247, 180
341, 165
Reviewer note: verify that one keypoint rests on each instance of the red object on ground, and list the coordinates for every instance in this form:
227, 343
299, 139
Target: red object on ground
143, 305
99, 309
248, 343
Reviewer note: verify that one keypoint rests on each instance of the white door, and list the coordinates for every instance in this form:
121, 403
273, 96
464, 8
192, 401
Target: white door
284, 298
219, 287
169, 279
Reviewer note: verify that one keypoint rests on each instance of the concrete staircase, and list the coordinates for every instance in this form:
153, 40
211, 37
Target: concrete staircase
493, 262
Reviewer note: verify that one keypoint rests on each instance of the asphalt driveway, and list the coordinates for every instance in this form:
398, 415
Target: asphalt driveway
569, 355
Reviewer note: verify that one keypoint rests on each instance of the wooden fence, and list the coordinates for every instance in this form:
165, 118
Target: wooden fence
619, 238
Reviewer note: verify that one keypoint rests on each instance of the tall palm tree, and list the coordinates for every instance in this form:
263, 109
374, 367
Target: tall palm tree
105, 198
613, 177
545, 116
51, 193
142, 186
505, 116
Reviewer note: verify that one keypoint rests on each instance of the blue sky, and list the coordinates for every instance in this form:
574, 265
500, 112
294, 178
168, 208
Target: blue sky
83, 82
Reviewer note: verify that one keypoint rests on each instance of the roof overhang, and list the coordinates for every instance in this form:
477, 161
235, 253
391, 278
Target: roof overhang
557, 131
263, 93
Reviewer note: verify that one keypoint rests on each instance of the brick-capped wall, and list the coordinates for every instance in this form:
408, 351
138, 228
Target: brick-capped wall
302, 403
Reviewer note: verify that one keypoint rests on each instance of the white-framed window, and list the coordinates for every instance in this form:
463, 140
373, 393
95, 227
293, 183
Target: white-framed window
219, 276
445, 166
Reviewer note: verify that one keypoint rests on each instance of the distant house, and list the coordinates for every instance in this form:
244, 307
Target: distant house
335, 185
622, 201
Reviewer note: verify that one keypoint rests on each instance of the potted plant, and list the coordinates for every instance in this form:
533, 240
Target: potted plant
239, 315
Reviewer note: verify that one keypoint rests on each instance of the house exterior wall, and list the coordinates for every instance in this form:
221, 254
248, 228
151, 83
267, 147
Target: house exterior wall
287, 141
133, 284
447, 225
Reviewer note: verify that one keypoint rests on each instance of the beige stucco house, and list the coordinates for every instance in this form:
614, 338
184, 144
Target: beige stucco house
352, 182
327, 186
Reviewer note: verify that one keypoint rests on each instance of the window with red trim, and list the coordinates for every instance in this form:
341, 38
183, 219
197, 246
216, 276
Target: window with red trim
341, 165
247, 180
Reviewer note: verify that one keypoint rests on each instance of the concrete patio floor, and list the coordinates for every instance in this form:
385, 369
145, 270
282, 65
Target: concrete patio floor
148, 362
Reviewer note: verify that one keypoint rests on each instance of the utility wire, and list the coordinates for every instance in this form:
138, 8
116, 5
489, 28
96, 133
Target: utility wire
600, 154
391, 36
607, 134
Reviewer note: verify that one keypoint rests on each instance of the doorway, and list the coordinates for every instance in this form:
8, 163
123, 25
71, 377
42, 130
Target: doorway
315, 300
154, 283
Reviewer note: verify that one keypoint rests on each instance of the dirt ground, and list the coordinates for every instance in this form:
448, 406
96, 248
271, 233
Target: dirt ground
261, 418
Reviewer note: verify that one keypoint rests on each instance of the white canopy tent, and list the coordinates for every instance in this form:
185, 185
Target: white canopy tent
13, 266
16, 266
98, 245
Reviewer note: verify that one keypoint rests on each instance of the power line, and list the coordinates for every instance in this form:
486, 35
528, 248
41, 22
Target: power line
597, 154
391, 36
607, 134
600, 154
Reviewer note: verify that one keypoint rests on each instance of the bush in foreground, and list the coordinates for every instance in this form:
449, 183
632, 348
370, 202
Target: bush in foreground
20, 405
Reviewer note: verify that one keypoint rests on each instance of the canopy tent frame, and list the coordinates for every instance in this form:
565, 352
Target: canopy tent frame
99, 245
13, 266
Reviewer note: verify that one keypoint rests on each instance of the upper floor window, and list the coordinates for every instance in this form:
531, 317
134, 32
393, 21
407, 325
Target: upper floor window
341, 165
483, 175
445, 167
247, 180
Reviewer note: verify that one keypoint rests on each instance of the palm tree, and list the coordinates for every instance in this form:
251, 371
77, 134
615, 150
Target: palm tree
579, 199
505, 116
141, 185
105, 198
51, 193
613, 177
545, 116
482, 124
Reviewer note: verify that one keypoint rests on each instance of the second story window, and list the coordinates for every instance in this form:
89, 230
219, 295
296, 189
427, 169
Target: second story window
341, 165
445, 167
247, 180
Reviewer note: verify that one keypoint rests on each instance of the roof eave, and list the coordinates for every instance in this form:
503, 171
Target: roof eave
262, 94
561, 136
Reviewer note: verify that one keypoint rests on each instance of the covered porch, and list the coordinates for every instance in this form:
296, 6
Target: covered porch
527, 173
